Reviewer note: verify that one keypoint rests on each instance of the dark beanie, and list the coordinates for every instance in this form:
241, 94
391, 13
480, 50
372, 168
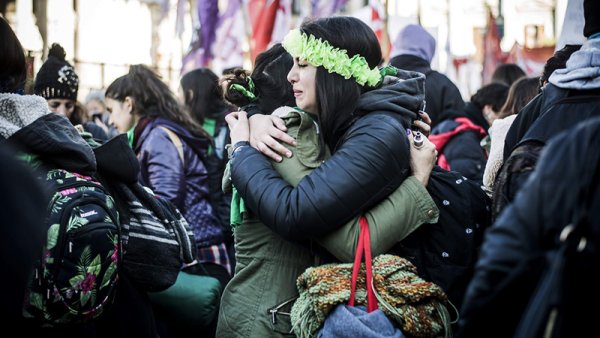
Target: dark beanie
591, 12
56, 78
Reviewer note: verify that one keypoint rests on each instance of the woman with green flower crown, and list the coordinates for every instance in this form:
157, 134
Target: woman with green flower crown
257, 300
335, 79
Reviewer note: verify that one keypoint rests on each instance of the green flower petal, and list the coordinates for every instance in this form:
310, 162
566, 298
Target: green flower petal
320, 53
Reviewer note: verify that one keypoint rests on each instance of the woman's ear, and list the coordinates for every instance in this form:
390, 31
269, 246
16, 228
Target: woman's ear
128, 104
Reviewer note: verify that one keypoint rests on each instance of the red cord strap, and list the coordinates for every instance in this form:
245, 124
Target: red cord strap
364, 244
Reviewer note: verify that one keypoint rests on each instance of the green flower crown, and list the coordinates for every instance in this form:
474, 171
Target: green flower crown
320, 53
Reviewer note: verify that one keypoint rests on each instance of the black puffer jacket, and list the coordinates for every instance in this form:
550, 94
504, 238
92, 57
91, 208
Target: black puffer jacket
514, 248
370, 161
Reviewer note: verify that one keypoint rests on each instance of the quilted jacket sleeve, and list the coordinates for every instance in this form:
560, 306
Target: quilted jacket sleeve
371, 162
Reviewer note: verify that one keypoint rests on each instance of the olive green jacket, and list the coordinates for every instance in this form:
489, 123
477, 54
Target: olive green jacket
257, 300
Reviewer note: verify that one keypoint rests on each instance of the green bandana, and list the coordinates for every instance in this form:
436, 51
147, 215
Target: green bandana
320, 53
248, 93
238, 208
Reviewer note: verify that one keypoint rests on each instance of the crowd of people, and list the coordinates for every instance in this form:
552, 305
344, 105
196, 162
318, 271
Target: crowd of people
274, 170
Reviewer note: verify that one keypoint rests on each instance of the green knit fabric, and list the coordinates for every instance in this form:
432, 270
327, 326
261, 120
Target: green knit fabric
415, 305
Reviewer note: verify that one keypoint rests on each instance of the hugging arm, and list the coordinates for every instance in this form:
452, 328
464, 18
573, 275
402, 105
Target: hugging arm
371, 163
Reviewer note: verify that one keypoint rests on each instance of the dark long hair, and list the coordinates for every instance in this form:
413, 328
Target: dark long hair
519, 95
337, 97
270, 80
151, 97
13, 69
202, 95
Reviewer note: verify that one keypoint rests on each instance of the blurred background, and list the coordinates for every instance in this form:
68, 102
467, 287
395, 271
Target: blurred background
102, 38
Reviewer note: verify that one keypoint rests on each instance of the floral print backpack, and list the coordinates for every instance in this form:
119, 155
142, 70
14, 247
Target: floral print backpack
75, 278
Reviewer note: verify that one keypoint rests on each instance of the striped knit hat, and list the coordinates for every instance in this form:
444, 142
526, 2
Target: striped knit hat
56, 78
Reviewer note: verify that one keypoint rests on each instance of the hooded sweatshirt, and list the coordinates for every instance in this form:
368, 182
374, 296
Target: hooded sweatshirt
413, 50
580, 77
370, 161
583, 68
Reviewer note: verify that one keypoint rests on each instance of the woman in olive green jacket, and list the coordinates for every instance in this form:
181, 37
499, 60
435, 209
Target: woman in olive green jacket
258, 299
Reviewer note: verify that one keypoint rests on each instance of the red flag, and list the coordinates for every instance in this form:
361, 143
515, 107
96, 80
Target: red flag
492, 53
378, 27
262, 16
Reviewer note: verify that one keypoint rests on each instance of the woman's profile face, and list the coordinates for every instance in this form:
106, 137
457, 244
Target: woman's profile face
120, 114
64, 107
302, 76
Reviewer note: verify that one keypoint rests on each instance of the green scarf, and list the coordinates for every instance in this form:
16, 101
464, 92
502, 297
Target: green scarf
130, 135
238, 208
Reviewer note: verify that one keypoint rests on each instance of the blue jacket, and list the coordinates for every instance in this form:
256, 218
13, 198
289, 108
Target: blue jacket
184, 184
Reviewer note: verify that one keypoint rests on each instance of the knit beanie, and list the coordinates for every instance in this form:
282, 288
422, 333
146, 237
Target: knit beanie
56, 78
414, 40
591, 12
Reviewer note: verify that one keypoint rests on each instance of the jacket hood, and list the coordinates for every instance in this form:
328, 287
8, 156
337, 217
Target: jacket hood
583, 68
198, 144
414, 40
403, 95
18, 111
27, 124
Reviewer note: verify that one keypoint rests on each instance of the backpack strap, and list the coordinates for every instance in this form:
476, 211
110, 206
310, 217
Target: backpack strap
176, 141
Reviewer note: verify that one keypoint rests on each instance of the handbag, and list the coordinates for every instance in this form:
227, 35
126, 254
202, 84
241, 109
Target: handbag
357, 321
412, 304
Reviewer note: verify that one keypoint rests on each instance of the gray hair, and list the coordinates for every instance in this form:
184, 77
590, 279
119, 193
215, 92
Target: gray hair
95, 95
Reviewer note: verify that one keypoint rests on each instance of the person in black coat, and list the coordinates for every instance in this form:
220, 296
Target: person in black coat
28, 128
22, 229
413, 50
515, 247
